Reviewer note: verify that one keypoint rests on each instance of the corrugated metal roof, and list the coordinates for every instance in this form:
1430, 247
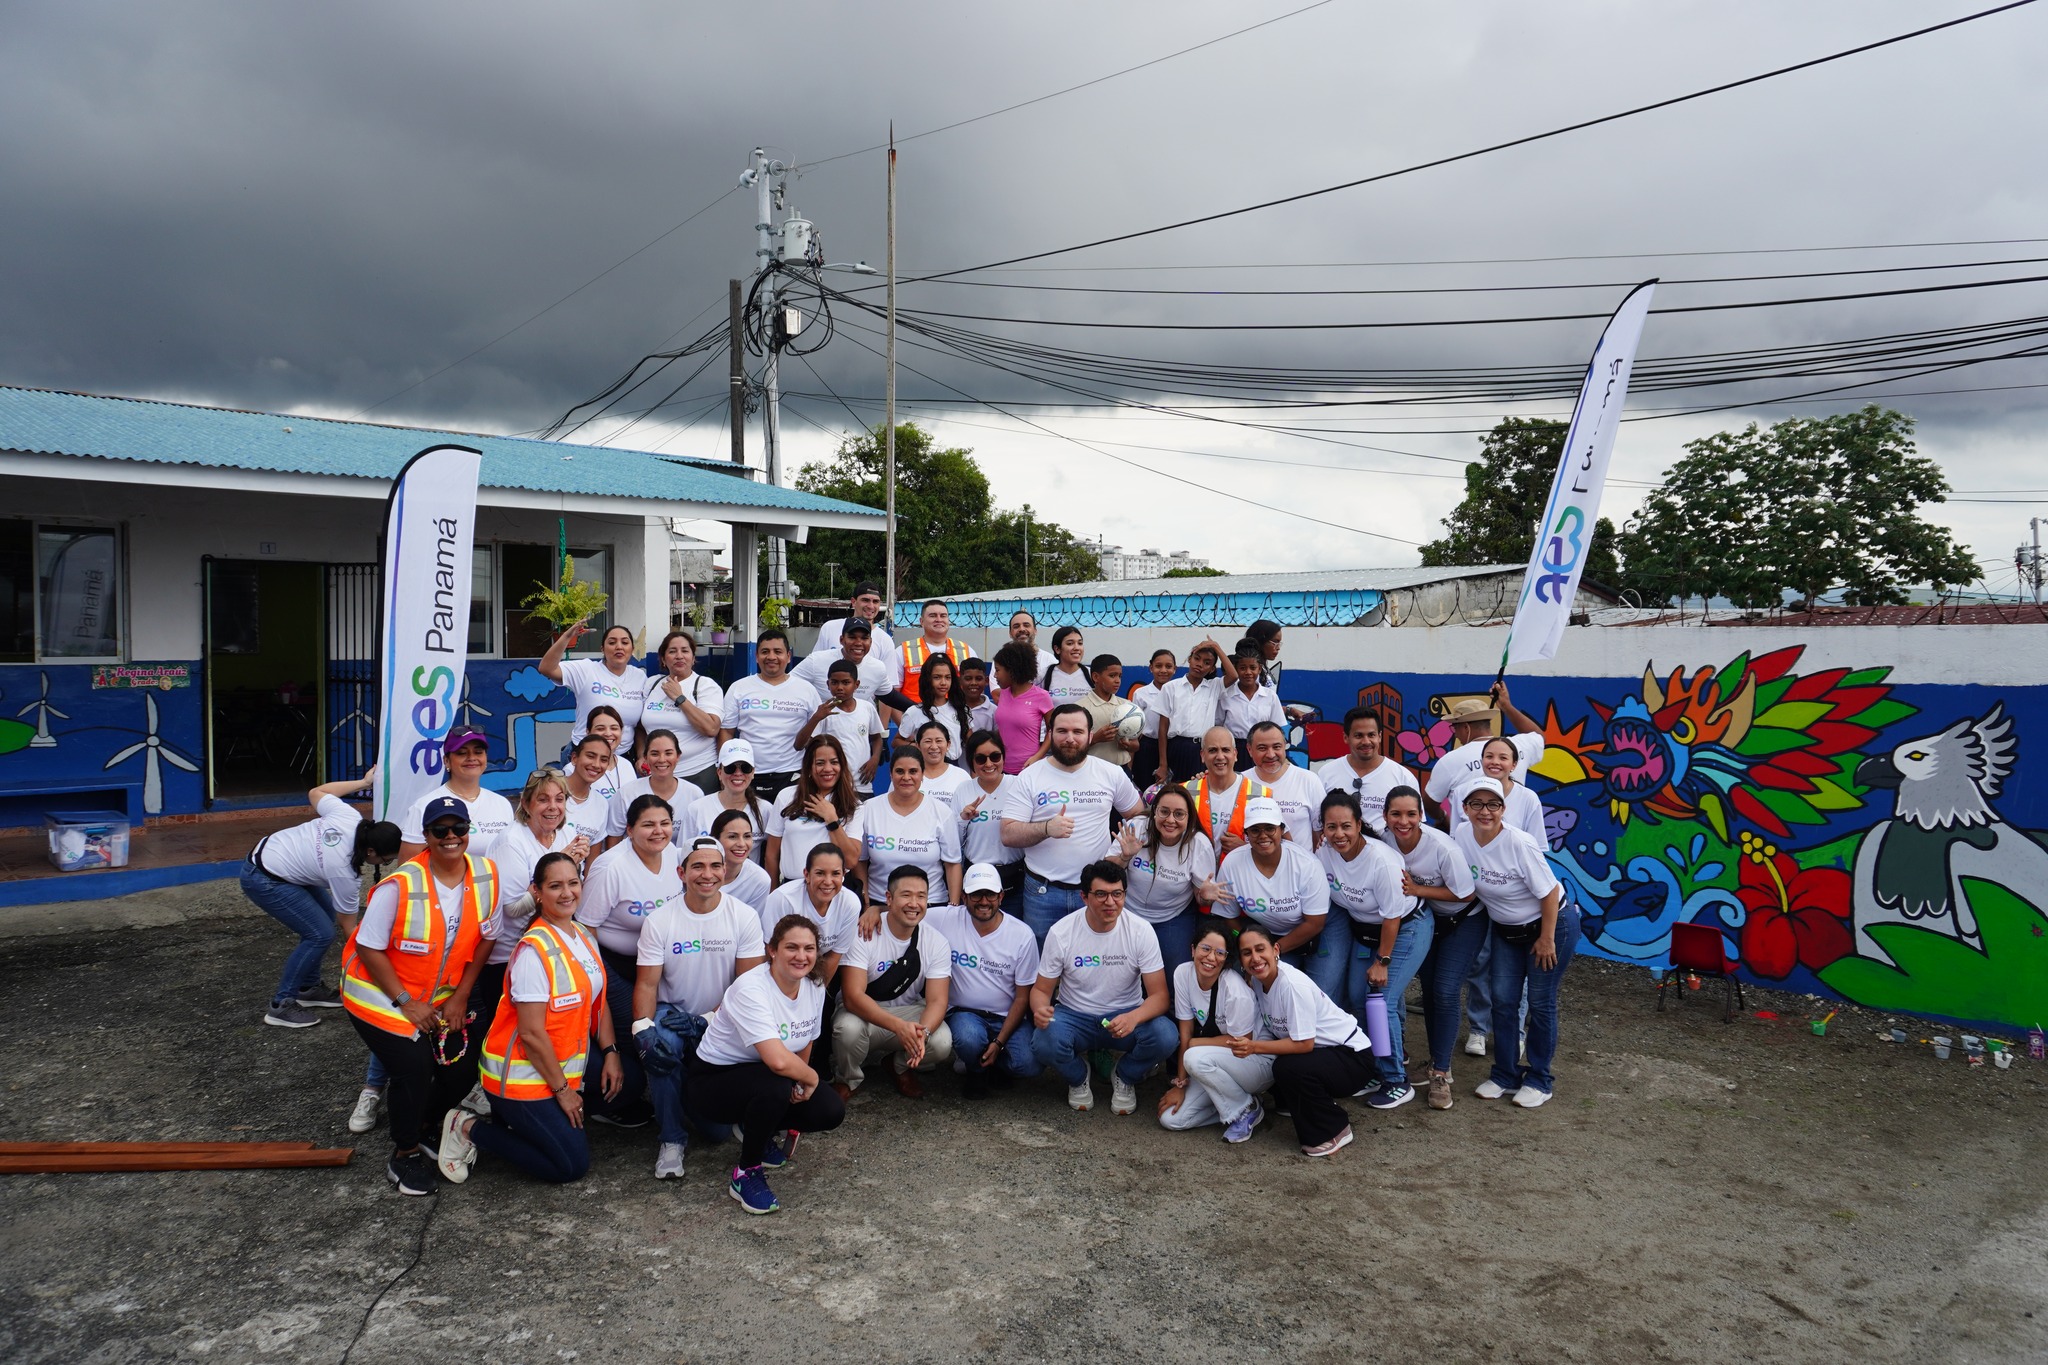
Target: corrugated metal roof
1315, 581
43, 421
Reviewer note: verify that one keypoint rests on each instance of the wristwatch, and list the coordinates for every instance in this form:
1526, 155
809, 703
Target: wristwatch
833, 827
402, 998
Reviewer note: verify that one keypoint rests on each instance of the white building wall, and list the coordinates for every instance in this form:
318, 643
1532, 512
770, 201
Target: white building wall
171, 529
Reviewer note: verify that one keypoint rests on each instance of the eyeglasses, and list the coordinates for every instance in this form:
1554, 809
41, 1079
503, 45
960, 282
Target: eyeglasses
738, 768
989, 756
457, 830
1486, 805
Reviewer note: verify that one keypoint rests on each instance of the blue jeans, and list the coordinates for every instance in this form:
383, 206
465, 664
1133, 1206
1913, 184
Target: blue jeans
1177, 939
536, 1136
974, 1030
1046, 905
1411, 946
307, 911
1064, 1047
1512, 968
1479, 989
1327, 956
1450, 963
674, 1036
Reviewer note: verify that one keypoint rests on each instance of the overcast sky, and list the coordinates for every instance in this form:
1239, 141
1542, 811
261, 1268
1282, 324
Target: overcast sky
315, 208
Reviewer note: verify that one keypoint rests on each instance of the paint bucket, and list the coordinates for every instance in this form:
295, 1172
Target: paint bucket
2001, 1059
1898, 1035
1972, 1043
1940, 1049
1819, 1027
1376, 1025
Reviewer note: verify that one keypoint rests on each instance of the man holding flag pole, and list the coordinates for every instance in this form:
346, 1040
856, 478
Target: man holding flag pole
1530, 928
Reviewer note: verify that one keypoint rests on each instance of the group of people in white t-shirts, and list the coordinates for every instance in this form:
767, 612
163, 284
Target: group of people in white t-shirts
1011, 903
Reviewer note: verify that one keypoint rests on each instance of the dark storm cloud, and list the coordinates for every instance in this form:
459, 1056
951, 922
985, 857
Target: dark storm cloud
312, 207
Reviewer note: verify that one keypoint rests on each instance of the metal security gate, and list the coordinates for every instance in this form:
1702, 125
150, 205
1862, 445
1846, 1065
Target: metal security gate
351, 701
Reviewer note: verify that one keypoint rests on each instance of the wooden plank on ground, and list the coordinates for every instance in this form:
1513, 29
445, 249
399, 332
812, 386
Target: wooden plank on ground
86, 1148
58, 1162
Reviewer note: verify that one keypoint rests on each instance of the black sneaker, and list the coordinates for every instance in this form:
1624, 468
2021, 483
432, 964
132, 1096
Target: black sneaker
635, 1115
320, 997
974, 1086
412, 1174
1000, 1075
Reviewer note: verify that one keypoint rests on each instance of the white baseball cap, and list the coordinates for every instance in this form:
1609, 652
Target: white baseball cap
736, 751
981, 877
1480, 784
1262, 810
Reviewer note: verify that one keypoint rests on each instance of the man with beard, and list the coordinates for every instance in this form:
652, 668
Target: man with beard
1059, 814
995, 962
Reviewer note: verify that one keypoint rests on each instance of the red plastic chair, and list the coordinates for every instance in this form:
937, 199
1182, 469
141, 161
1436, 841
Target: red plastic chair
1700, 950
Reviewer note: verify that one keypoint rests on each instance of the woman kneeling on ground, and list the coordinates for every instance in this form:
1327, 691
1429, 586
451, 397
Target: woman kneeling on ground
1534, 935
1213, 1005
753, 1065
536, 1052
1318, 1050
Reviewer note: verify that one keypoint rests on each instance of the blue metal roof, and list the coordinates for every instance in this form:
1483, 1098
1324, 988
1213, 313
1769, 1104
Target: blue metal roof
95, 426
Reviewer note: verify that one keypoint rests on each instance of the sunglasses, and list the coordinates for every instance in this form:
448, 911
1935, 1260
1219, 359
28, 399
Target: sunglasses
454, 830
543, 771
989, 756
738, 768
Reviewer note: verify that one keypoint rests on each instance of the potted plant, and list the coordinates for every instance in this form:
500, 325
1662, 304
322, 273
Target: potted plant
775, 612
572, 603
697, 618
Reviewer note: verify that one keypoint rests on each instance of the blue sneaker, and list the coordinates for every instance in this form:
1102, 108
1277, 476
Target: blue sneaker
780, 1149
1391, 1096
1244, 1125
750, 1187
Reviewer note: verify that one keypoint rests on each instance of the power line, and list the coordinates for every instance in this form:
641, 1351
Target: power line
551, 307
1523, 141
1041, 99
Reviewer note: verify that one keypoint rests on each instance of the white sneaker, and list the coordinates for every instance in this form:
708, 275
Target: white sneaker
1123, 1096
1529, 1097
1475, 1045
668, 1162
363, 1117
455, 1153
1081, 1098
477, 1102
1487, 1090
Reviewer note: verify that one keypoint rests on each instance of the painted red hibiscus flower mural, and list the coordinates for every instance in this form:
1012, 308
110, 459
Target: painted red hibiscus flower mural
1798, 917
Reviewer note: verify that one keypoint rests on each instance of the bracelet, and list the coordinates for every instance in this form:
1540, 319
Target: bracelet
558, 1089
607, 1049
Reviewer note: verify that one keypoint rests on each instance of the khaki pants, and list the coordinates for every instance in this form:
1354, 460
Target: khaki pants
855, 1042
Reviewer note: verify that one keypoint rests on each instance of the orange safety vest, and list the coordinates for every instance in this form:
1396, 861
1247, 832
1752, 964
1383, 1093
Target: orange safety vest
1198, 791
915, 652
573, 998
426, 961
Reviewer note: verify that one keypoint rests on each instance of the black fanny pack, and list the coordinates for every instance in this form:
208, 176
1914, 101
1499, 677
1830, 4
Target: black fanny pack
1520, 935
901, 973
1209, 1028
1364, 933
1011, 874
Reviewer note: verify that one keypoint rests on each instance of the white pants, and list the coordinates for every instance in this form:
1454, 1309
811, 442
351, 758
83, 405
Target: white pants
1220, 1086
855, 1041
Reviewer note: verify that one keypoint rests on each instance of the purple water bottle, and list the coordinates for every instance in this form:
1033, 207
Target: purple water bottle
1376, 1025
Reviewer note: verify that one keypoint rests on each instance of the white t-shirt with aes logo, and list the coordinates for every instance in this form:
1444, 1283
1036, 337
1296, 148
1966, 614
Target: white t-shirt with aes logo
754, 1010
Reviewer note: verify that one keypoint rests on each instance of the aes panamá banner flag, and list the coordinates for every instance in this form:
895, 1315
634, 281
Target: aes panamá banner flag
1564, 536
423, 628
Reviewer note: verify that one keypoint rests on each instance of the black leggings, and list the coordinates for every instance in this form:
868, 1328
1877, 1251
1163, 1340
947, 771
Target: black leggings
1309, 1084
757, 1099
421, 1091
620, 972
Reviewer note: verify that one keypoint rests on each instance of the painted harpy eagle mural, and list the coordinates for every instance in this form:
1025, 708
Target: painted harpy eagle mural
1909, 870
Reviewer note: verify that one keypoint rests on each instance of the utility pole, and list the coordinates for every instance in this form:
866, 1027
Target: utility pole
2027, 560
1027, 544
889, 410
739, 373
832, 578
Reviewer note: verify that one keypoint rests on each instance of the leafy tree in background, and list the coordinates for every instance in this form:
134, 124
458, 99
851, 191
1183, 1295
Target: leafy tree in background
1196, 573
1806, 506
950, 536
1505, 493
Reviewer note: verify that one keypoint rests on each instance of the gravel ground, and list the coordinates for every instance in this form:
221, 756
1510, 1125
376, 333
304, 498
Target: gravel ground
1695, 1192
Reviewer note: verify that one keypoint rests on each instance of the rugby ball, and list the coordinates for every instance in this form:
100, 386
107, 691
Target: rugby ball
1130, 722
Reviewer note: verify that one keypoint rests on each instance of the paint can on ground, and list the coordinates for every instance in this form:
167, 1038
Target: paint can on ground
1941, 1046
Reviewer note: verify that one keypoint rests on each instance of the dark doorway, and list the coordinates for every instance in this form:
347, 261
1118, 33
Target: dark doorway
264, 667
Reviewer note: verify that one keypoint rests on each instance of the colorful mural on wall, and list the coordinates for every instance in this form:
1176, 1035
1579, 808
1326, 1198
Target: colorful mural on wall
1843, 835
67, 740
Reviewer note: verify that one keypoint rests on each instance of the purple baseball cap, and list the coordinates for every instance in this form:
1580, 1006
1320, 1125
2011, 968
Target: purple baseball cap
457, 738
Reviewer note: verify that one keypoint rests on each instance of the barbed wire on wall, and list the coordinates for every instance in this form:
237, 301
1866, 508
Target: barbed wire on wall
1468, 601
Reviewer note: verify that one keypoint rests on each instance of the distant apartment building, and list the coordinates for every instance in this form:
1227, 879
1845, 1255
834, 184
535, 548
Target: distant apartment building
1119, 564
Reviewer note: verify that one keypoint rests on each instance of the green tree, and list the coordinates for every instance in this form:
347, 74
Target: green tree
1505, 493
1196, 573
1807, 506
951, 538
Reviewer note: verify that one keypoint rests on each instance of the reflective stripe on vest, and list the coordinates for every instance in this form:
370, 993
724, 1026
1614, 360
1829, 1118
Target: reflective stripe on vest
916, 652
573, 997
426, 960
1198, 790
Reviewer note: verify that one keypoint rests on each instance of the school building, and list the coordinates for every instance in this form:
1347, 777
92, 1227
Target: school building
188, 594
